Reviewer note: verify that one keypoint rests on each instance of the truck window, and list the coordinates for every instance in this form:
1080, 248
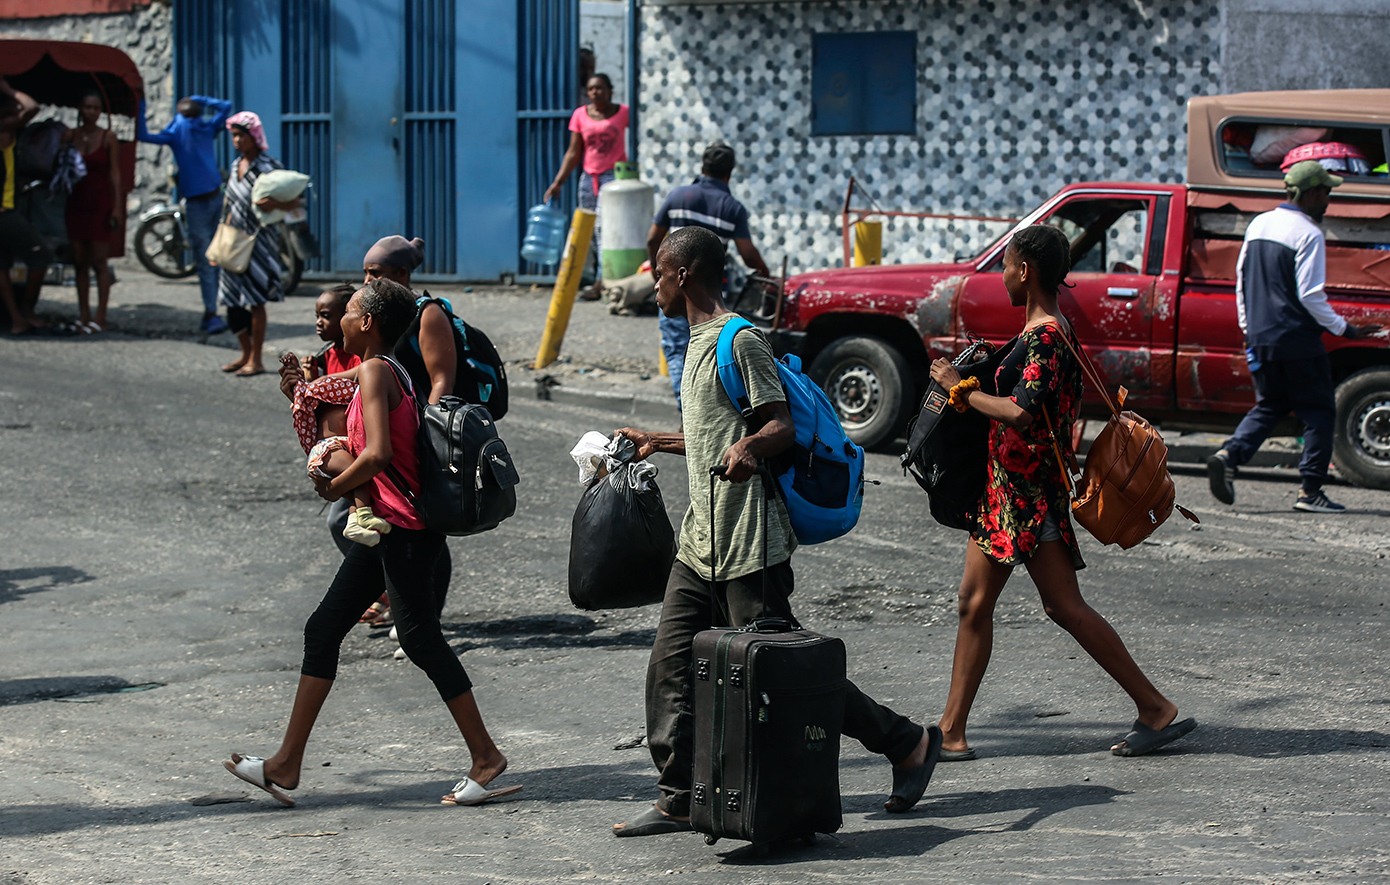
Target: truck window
1106, 235
1261, 148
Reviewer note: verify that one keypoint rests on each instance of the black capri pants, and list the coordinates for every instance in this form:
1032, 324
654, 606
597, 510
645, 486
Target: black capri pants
404, 565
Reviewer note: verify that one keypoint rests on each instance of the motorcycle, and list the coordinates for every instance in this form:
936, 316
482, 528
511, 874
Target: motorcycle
164, 248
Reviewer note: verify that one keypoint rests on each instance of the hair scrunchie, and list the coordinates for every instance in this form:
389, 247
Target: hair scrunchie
961, 390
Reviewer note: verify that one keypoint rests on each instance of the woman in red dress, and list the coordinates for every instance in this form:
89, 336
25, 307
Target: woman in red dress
1024, 517
91, 211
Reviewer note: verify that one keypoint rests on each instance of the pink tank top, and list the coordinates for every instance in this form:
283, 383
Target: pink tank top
387, 500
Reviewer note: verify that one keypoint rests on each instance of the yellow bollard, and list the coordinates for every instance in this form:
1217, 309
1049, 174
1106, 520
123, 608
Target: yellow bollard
662, 367
566, 287
868, 243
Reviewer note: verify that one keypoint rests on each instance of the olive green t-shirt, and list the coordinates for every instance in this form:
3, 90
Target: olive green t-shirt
712, 424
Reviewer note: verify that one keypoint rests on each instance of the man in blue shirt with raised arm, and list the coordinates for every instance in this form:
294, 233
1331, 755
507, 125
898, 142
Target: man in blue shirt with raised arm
191, 138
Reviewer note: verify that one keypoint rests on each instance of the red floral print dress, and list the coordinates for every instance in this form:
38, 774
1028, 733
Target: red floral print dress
1025, 481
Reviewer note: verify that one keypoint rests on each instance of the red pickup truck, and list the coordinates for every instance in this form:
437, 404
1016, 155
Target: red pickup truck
1153, 267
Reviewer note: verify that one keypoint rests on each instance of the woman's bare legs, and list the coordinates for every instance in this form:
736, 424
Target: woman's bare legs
101, 260
980, 587
81, 267
1052, 571
488, 761
244, 339
251, 343
283, 768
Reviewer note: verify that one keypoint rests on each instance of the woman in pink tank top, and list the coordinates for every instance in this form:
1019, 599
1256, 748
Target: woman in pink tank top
382, 425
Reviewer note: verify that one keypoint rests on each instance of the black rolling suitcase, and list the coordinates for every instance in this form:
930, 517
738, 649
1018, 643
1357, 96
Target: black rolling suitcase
769, 701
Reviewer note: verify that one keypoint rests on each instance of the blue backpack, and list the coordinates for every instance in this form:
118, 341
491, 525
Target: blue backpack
822, 475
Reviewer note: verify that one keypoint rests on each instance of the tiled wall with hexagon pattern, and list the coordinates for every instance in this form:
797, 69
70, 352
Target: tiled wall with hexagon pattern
1015, 98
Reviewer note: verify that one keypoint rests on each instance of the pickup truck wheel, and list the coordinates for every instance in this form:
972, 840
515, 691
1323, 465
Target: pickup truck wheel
868, 382
1361, 443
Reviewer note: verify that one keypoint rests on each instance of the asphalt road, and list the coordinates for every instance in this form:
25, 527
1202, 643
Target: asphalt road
161, 549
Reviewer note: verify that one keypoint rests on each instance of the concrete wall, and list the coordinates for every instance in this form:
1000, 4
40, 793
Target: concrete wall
603, 28
146, 35
1014, 99
1295, 44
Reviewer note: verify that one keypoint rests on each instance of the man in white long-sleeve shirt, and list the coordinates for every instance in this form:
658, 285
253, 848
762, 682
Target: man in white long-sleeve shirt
1283, 312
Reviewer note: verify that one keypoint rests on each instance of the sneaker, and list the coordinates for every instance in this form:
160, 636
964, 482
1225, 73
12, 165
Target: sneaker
1317, 502
1221, 477
214, 325
392, 635
399, 654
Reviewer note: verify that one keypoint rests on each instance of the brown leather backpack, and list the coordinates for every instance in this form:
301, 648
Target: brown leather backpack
1125, 492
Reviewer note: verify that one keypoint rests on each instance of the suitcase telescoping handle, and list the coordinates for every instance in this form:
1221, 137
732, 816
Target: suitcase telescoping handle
758, 625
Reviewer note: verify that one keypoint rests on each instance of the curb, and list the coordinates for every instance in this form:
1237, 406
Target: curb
664, 409
624, 404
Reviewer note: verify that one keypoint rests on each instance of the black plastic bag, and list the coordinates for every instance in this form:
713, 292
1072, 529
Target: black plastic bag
948, 451
622, 545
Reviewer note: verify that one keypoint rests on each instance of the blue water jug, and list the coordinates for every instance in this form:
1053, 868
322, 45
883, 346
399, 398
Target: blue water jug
545, 234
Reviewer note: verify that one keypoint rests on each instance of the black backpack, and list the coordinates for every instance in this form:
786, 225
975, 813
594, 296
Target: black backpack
948, 451
467, 477
481, 376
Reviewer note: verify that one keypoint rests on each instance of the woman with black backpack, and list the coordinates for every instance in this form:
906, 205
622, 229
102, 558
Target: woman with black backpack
1024, 514
382, 426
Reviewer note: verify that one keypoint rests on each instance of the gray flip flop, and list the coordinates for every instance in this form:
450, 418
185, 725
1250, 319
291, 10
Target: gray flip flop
957, 755
652, 823
1142, 739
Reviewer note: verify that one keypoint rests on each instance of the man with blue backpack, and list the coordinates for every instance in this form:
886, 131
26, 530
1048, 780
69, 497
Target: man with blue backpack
737, 537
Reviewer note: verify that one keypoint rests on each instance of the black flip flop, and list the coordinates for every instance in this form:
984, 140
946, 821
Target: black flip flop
957, 755
651, 823
909, 785
1142, 739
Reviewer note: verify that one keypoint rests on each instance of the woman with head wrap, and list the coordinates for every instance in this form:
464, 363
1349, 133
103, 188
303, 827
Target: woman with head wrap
245, 294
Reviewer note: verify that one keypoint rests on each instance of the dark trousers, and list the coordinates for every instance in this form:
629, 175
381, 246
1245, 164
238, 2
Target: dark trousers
23, 242
692, 605
443, 567
402, 565
1304, 387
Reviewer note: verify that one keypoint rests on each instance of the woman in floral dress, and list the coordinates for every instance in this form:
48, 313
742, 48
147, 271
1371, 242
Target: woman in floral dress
1025, 511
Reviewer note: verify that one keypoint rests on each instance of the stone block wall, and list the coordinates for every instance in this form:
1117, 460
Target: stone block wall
146, 35
1015, 98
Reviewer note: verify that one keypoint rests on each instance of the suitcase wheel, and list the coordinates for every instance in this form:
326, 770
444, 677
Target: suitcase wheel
710, 840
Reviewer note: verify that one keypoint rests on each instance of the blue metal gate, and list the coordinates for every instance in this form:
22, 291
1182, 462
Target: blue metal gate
547, 93
306, 110
430, 129
206, 56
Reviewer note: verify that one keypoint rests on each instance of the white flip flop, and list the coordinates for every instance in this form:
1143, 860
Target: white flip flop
252, 770
470, 792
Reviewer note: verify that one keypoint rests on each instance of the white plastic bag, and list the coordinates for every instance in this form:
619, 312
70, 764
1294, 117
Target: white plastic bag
591, 454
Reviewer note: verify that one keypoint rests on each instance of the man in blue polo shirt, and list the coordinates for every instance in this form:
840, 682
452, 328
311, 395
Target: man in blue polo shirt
707, 203
191, 137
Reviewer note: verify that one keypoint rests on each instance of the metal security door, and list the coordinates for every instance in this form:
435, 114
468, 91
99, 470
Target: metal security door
547, 94
206, 56
431, 132
306, 118
368, 132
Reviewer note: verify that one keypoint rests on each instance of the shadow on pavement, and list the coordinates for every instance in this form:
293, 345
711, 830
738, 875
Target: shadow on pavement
47, 688
913, 841
577, 783
544, 631
17, 582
